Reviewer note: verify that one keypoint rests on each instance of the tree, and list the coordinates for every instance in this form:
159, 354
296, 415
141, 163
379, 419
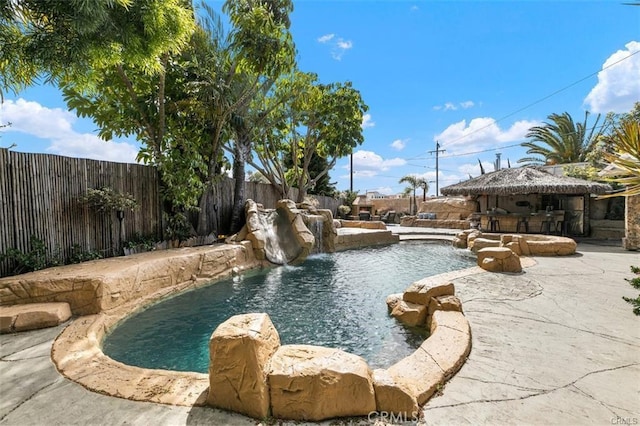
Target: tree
317, 165
625, 157
562, 141
422, 183
414, 182
316, 119
74, 40
159, 110
257, 49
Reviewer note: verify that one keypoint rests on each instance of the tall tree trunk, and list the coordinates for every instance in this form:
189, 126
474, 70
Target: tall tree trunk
240, 153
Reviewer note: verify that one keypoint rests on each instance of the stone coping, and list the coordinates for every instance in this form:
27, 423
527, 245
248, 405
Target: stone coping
33, 316
101, 285
77, 354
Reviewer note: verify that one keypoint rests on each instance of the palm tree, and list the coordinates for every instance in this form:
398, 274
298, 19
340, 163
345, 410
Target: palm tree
413, 182
561, 140
422, 183
625, 158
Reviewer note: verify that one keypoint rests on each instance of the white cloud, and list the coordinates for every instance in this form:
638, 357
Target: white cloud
342, 44
339, 46
37, 120
56, 125
451, 106
367, 122
473, 169
398, 144
481, 133
325, 38
618, 86
368, 164
414, 8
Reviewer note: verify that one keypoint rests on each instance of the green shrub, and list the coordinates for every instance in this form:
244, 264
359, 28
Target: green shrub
140, 241
635, 283
78, 254
37, 258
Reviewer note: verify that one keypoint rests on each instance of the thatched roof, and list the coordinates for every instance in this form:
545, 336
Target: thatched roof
524, 180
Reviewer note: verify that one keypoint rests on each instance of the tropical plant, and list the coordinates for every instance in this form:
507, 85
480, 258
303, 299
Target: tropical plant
315, 119
422, 183
73, 40
348, 197
344, 210
413, 182
561, 140
625, 158
635, 283
107, 199
38, 257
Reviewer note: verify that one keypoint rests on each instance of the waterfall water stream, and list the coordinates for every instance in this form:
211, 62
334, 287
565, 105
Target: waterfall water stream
316, 226
273, 249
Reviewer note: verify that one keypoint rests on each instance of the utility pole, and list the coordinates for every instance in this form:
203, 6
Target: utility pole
351, 168
437, 151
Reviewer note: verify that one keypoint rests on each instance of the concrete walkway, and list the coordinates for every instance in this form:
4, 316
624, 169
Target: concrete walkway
554, 345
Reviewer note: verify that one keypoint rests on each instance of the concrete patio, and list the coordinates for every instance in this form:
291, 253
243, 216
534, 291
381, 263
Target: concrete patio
554, 345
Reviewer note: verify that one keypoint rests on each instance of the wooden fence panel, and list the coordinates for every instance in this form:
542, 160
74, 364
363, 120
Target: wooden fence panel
7, 225
40, 196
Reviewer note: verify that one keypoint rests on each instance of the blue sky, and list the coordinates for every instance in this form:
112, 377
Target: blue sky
473, 76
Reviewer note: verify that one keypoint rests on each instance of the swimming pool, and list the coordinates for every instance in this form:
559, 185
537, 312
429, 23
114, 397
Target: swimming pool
335, 300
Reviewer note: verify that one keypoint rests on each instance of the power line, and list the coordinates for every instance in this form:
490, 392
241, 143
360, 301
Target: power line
546, 97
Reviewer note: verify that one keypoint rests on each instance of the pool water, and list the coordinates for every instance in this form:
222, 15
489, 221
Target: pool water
335, 300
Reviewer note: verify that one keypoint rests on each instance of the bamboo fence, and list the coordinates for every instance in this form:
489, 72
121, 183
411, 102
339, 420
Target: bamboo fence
41, 197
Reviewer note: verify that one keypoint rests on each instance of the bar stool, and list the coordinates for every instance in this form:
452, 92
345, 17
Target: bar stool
524, 222
560, 227
494, 224
547, 224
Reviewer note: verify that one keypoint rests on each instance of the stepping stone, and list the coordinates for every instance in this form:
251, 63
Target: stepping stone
33, 316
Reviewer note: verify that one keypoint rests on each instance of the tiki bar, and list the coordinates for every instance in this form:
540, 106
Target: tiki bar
530, 200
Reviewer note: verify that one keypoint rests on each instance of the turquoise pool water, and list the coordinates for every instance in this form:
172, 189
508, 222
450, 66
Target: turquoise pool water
335, 300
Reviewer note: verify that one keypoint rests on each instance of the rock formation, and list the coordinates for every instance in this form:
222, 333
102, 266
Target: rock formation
282, 236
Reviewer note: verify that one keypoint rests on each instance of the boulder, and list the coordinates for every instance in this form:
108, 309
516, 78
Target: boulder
499, 259
392, 396
480, 243
316, 383
393, 300
409, 313
33, 316
553, 246
449, 208
239, 353
459, 243
445, 303
421, 292
442, 303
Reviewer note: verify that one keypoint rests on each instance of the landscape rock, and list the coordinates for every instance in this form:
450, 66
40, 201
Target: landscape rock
239, 353
499, 259
33, 316
393, 396
316, 383
409, 313
393, 300
421, 292
480, 243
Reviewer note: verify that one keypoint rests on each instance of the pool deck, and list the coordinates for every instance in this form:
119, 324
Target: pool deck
554, 345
